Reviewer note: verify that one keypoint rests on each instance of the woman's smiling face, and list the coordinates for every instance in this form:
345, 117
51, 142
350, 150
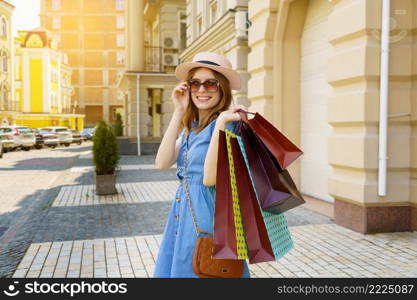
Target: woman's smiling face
202, 99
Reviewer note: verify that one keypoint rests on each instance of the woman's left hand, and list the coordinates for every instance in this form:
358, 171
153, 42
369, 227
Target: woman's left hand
231, 114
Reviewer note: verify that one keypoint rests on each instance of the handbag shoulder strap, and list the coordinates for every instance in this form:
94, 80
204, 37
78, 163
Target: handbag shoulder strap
197, 229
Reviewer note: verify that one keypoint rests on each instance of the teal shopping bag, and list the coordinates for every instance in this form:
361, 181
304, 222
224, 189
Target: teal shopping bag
276, 224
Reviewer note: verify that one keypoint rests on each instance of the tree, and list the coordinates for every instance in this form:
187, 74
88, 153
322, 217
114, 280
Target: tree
105, 150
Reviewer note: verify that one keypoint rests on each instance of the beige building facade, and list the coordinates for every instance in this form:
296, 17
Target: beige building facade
155, 38
92, 34
311, 67
220, 26
171, 32
315, 72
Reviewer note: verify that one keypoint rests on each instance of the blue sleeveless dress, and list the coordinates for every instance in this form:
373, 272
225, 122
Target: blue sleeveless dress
177, 246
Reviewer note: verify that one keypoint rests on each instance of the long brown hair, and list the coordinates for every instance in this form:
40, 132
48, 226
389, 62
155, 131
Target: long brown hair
191, 114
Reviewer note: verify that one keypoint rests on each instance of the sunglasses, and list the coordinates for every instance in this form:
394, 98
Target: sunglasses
210, 85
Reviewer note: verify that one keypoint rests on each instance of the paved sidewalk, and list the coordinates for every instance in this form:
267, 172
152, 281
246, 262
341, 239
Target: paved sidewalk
324, 250
85, 235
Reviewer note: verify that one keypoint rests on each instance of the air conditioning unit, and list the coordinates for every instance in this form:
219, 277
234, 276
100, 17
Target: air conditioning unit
170, 42
170, 59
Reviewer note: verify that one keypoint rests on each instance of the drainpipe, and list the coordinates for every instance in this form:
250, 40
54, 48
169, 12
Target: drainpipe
383, 101
137, 110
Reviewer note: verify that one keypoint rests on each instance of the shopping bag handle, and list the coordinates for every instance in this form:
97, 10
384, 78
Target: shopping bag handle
244, 118
243, 115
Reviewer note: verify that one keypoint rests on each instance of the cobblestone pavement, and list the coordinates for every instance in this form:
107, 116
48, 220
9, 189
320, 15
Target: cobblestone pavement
79, 234
30, 181
325, 250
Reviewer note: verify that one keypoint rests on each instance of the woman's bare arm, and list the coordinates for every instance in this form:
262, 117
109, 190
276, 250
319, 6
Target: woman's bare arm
168, 150
210, 164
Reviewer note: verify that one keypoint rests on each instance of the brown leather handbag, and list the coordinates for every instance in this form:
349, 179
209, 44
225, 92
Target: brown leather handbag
204, 265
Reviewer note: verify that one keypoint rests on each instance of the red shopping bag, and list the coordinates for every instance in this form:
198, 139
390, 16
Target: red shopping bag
284, 151
276, 190
224, 226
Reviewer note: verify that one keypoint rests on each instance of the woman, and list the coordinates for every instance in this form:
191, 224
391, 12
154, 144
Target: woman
202, 107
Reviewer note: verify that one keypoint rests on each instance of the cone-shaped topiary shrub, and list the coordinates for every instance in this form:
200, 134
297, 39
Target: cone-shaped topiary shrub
105, 150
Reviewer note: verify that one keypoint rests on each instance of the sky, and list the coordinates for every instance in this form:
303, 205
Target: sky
26, 14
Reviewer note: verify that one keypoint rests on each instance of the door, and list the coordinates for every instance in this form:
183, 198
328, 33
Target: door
315, 130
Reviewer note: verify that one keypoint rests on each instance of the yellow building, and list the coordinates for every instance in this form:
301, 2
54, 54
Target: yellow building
92, 34
43, 83
8, 106
156, 36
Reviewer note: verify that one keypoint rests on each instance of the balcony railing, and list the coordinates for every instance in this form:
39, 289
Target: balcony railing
153, 59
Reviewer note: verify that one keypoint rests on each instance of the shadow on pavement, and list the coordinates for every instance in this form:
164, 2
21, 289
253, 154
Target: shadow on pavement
42, 163
102, 221
22, 225
78, 149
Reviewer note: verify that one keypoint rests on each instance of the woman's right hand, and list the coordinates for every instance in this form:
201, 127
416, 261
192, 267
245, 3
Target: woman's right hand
181, 96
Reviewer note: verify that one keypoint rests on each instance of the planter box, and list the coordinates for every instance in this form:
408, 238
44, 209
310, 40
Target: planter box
105, 184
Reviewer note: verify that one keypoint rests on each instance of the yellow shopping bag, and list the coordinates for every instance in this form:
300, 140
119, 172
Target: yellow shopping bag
242, 249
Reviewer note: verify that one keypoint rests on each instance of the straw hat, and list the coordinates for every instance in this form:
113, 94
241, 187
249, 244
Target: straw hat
212, 61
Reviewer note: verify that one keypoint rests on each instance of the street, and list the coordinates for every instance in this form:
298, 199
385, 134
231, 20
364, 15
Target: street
30, 180
53, 225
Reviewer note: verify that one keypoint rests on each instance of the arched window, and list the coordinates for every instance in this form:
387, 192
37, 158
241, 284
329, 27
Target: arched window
4, 95
4, 61
3, 27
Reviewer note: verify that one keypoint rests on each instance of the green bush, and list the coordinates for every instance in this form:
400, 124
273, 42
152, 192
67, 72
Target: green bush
105, 150
118, 126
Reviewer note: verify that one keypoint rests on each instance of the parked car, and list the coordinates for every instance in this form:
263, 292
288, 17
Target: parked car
45, 138
39, 138
23, 137
77, 137
6, 139
49, 139
88, 133
63, 133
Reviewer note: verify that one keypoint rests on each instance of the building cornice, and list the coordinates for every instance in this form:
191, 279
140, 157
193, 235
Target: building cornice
7, 3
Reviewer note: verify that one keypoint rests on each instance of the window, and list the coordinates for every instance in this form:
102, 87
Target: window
3, 27
4, 61
120, 4
23, 129
105, 78
120, 58
57, 38
213, 12
56, 4
199, 25
183, 31
120, 40
56, 22
120, 22
5, 97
